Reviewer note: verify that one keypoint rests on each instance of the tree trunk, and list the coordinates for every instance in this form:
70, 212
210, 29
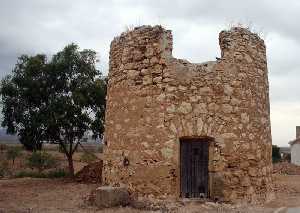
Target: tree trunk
71, 166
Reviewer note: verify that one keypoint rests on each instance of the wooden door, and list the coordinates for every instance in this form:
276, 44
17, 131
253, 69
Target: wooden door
194, 168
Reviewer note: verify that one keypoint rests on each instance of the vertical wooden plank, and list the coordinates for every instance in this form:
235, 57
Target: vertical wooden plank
183, 168
194, 168
189, 169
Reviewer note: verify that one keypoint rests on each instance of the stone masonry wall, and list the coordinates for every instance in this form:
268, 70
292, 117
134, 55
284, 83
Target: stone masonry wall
155, 99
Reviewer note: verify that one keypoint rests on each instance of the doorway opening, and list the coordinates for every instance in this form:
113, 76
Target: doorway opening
194, 167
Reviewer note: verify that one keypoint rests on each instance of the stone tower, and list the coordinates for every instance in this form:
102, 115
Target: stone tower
178, 129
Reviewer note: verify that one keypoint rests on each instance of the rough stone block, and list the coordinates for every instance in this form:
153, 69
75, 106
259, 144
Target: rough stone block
108, 196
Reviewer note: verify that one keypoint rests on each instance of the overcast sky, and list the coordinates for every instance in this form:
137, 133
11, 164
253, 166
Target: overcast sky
45, 26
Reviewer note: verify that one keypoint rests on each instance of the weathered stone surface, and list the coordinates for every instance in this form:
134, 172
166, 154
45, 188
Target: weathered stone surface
132, 74
155, 100
185, 108
245, 118
147, 80
108, 196
246, 181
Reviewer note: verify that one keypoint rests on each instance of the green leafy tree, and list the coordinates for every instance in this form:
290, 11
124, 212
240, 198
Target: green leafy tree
23, 97
276, 157
63, 98
76, 102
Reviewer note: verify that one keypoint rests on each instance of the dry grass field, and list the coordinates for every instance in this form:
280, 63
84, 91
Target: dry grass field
20, 163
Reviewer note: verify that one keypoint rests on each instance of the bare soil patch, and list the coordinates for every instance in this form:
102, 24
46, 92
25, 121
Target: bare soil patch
61, 195
42, 195
287, 188
286, 168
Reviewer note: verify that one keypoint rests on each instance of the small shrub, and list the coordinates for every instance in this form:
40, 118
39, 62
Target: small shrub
41, 161
4, 168
100, 148
59, 173
3, 147
13, 152
129, 28
33, 174
88, 157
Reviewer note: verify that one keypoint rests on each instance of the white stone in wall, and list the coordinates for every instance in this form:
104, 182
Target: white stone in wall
171, 109
132, 74
228, 90
167, 152
200, 108
227, 108
173, 128
145, 72
147, 80
199, 126
185, 108
245, 118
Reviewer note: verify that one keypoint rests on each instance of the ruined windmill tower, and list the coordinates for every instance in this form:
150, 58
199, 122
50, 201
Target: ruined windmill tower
177, 129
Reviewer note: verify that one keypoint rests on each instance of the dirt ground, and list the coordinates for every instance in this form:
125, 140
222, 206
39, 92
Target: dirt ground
59, 195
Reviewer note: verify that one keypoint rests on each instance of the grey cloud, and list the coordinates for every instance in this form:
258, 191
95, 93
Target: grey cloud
30, 27
264, 15
34, 26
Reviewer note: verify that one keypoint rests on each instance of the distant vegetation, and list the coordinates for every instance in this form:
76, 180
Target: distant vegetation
49, 163
3, 168
88, 157
59, 173
12, 153
41, 160
276, 157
